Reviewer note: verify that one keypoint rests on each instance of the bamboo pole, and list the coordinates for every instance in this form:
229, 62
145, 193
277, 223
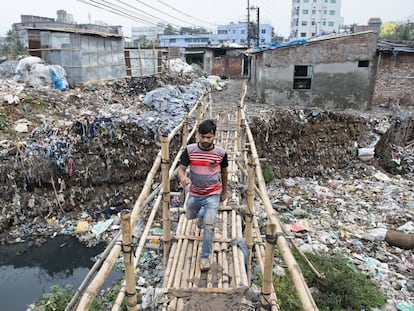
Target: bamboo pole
266, 302
236, 260
249, 216
185, 131
242, 260
91, 272
140, 247
239, 123
128, 250
168, 271
165, 197
187, 264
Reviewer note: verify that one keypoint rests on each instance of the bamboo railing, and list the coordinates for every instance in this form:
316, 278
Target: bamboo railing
276, 233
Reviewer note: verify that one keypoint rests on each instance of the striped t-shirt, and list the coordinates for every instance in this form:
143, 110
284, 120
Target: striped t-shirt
205, 168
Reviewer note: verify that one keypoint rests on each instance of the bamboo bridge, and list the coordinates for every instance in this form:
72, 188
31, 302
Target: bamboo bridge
238, 243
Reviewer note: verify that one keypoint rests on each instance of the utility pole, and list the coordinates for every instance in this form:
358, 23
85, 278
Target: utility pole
258, 27
248, 23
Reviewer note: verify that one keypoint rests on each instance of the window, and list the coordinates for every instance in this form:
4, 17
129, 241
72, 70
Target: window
324, 23
262, 40
302, 77
305, 1
313, 12
242, 31
325, 12
305, 12
331, 12
313, 23
304, 23
172, 40
263, 31
331, 24
363, 63
303, 34
333, 1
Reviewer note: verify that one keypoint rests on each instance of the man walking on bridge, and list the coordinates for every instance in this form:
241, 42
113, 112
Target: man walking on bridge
208, 183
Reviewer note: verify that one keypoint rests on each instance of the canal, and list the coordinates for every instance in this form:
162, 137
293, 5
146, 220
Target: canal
26, 273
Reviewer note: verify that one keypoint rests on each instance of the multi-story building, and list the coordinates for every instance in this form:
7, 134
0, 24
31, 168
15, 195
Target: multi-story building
314, 17
230, 34
237, 33
184, 41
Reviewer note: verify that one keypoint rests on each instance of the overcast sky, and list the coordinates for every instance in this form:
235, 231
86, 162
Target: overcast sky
207, 13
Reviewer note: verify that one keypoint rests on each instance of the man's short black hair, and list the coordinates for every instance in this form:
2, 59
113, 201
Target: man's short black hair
207, 126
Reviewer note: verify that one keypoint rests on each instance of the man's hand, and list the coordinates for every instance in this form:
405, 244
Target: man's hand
223, 196
185, 181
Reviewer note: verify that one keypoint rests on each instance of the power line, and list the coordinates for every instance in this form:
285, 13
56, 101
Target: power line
185, 14
146, 13
166, 14
116, 12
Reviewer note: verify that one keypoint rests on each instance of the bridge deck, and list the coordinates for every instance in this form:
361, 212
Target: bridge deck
228, 274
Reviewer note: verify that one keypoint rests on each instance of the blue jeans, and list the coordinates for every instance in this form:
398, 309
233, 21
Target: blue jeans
209, 205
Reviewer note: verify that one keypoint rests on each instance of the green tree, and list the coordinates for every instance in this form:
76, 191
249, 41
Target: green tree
193, 30
170, 30
13, 44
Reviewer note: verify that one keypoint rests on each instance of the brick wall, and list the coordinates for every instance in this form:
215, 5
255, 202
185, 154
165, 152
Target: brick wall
395, 79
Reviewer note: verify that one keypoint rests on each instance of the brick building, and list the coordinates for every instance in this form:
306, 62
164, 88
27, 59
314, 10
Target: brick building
336, 72
395, 74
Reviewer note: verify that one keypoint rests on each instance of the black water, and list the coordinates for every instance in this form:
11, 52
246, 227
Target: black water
28, 272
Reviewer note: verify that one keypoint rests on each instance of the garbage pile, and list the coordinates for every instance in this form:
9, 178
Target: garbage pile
33, 71
85, 150
355, 211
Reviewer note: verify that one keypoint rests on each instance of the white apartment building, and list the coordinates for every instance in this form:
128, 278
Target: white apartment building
314, 17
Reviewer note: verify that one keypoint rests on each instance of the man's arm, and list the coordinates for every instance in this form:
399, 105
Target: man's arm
223, 194
182, 176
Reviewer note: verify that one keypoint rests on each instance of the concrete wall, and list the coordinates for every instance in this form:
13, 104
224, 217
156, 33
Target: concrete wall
337, 81
395, 79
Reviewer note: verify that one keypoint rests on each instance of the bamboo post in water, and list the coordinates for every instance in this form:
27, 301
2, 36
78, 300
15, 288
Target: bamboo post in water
166, 196
128, 251
266, 302
249, 216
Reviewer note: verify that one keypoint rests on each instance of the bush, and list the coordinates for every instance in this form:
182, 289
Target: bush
343, 287
56, 300
268, 173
